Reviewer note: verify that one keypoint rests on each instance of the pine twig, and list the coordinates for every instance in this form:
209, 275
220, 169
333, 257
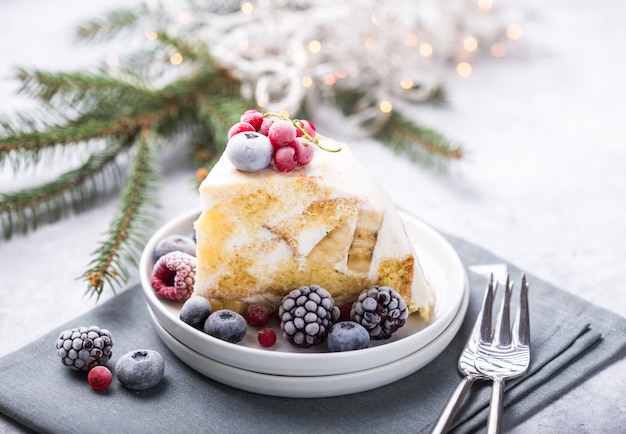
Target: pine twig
128, 230
76, 189
109, 25
416, 141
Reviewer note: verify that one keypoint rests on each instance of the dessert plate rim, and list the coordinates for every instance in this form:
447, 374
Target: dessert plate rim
441, 265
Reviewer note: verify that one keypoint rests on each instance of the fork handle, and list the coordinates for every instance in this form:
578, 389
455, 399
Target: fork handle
494, 423
447, 415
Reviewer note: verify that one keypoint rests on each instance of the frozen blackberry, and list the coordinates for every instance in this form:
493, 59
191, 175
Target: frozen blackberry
175, 243
82, 348
174, 275
381, 310
306, 314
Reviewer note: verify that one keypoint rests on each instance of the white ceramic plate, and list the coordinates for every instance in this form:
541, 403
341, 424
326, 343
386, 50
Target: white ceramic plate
317, 386
441, 265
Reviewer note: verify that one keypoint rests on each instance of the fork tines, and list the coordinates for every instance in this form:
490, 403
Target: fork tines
502, 334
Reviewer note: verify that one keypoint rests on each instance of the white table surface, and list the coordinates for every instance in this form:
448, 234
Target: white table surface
543, 184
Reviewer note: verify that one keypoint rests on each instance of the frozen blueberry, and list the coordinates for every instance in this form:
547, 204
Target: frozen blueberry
140, 369
347, 336
173, 243
226, 325
195, 311
250, 151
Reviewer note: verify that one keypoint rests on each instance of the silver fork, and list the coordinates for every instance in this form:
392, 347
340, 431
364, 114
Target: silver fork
467, 369
503, 353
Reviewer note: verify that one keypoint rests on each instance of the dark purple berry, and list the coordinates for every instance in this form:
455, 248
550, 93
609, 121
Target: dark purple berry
306, 315
83, 348
381, 310
175, 243
140, 369
226, 325
348, 336
195, 311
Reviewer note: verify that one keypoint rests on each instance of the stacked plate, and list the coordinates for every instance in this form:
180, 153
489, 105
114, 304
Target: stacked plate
285, 370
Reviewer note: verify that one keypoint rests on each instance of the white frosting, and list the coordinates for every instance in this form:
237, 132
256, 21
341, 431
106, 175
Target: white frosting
348, 178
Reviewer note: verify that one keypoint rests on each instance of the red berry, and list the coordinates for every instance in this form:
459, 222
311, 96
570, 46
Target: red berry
284, 159
308, 126
253, 117
267, 337
240, 127
281, 133
267, 123
304, 150
257, 314
344, 312
100, 378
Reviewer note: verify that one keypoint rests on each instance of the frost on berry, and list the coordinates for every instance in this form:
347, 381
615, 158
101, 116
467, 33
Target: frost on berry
306, 314
257, 314
308, 128
304, 151
249, 151
267, 123
253, 117
284, 159
174, 275
281, 133
83, 348
381, 310
240, 127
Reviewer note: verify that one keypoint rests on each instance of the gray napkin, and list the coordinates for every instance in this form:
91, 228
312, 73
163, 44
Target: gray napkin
571, 340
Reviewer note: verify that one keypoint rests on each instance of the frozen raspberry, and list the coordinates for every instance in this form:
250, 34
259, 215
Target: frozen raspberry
82, 348
140, 369
253, 117
240, 127
249, 151
381, 310
281, 133
266, 337
100, 378
174, 275
284, 159
257, 314
174, 243
304, 151
306, 314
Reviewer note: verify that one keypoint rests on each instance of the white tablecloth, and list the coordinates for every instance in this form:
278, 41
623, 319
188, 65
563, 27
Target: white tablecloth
543, 183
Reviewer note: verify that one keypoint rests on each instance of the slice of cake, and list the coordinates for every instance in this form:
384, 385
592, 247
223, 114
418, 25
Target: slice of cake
264, 233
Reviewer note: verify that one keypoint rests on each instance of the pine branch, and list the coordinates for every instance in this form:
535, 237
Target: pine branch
129, 229
416, 141
111, 24
24, 147
74, 190
73, 90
